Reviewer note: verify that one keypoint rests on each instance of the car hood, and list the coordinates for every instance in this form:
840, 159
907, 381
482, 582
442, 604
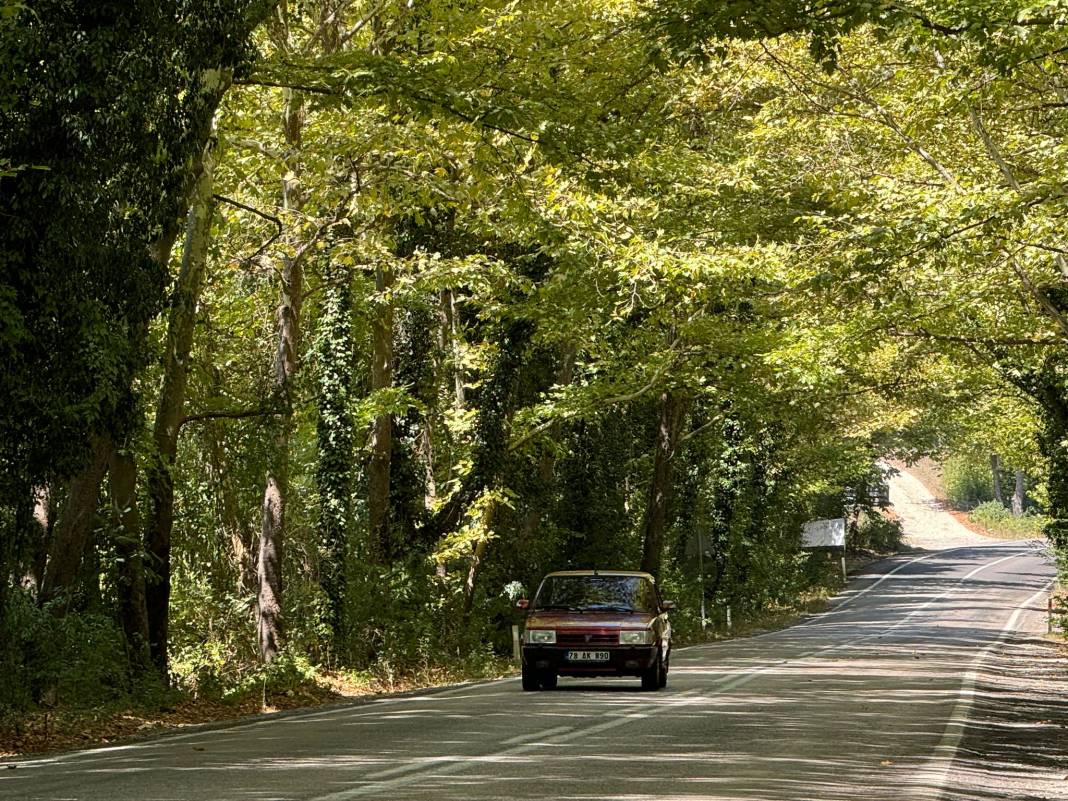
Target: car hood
585, 620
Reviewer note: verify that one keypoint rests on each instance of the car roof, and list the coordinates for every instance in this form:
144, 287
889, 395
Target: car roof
638, 573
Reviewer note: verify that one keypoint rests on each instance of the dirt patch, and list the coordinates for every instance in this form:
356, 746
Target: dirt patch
929, 474
925, 519
927, 471
920, 486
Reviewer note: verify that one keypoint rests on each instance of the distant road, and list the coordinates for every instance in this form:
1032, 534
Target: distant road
925, 523
866, 701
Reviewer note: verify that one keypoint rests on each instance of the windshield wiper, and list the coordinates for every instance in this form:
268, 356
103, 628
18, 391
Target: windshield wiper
565, 607
612, 608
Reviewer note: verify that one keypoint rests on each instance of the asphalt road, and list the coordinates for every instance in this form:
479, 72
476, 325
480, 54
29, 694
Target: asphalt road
866, 701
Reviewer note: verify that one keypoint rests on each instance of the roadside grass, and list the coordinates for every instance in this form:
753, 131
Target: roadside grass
1001, 523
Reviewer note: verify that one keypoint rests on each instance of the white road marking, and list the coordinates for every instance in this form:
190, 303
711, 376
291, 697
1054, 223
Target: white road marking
850, 598
428, 762
997, 562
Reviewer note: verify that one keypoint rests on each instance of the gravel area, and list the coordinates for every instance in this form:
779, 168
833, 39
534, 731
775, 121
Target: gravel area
926, 522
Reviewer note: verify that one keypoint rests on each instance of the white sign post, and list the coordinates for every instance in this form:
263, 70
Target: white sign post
826, 534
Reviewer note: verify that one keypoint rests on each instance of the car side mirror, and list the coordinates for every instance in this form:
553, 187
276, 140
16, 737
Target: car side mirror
522, 603
667, 606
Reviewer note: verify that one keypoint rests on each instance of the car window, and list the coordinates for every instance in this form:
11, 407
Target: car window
648, 595
630, 593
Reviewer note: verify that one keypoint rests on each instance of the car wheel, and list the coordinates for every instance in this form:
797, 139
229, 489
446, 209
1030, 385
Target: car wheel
548, 680
651, 675
530, 679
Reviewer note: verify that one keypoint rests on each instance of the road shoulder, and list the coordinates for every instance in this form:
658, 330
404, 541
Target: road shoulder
1013, 744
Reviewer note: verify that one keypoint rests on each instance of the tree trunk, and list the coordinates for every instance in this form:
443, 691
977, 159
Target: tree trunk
995, 471
378, 477
236, 527
477, 555
448, 308
269, 564
426, 456
44, 518
171, 403
133, 609
270, 558
335, 441
547, 461
1019, 495
656, 512
74, 528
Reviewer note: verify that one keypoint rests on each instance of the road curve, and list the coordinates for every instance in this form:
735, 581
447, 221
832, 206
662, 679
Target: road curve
866, 701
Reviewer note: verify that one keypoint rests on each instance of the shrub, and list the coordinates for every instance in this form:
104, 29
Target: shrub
998, 520
77, 660
876, 533
967, 479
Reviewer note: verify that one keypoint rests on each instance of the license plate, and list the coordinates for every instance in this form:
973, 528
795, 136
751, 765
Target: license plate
588, 656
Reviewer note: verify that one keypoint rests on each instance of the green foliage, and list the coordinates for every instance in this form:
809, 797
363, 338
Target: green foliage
407, 616
334, 435
967, 478
1000, 521
877, 533
76, 660
786, 214
110, 106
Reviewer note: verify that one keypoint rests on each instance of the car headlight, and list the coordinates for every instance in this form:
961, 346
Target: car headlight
638, 637
541, 636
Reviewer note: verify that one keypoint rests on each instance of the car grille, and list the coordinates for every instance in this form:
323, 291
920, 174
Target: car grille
587, 637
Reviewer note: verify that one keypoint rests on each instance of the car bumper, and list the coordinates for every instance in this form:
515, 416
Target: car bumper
628, 660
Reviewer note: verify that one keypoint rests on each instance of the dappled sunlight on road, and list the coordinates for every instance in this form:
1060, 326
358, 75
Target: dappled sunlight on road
867, 695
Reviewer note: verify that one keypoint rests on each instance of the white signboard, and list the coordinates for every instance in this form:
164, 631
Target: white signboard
824, 533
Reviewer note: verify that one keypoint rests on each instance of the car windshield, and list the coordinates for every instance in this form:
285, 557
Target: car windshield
616, 593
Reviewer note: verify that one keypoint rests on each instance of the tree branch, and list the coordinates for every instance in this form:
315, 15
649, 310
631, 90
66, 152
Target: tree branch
228, 414
923, 333
258, 213
258, 147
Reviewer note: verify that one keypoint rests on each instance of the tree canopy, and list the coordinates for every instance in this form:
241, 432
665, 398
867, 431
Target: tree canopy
331, 326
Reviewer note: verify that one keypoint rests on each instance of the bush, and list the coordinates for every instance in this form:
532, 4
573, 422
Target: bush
998, 520
77, 660
967, 479
876, 533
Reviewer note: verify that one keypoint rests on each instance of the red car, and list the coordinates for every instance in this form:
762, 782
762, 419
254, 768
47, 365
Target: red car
596, 623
